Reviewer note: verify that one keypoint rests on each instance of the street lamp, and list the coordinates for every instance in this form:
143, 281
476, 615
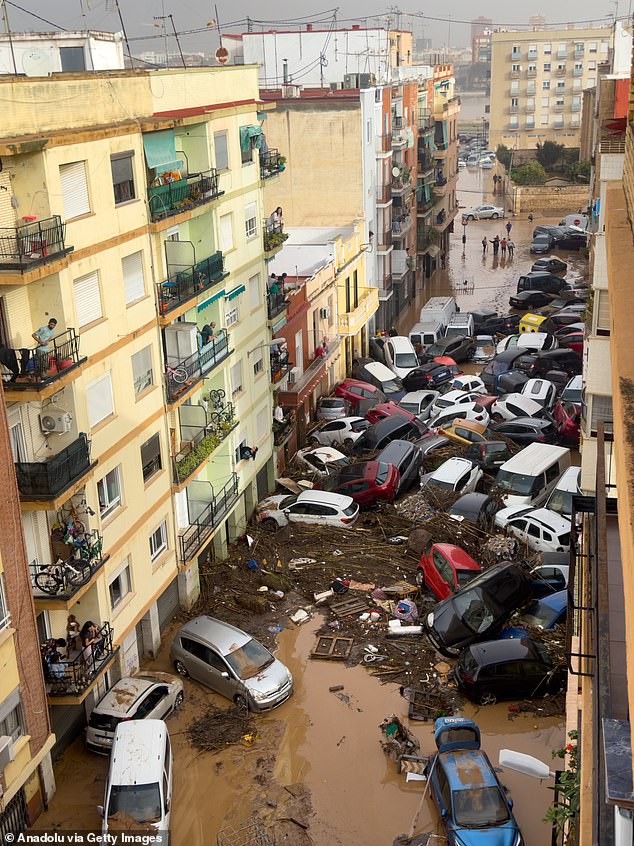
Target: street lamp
465, 222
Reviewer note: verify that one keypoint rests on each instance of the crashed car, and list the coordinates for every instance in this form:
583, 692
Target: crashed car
321, 460
445, 568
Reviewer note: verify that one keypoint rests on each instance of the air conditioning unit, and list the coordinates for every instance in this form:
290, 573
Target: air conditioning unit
290, 92
336, 86
55, 421
6, 751
324, 313
293, 375
366, 80
351, 80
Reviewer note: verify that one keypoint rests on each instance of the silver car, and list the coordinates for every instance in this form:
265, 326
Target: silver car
232, 663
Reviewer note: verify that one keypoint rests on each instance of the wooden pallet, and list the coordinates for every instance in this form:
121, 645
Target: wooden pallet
332, 647
353, 605
421, 706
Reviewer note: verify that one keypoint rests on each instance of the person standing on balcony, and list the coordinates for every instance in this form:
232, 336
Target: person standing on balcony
44, 335
276, 220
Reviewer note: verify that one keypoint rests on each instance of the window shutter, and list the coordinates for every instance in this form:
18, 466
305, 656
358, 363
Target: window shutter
603, 311
87, 298
74, 189
99, 399
226, 232
133, 277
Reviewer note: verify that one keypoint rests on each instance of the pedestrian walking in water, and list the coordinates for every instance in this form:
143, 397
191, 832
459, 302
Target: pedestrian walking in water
509, 226
485, 244
443, 260
503, 245
510, 246
530, 217
496, 245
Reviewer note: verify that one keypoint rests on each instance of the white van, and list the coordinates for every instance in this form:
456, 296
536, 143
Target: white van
400, 355
438, 309
530, 476
461, 324
139, 783
426, 333
560, 499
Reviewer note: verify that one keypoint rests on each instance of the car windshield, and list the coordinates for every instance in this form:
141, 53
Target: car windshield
479, 807
406, 360
471, 607
518, 483
288, 500
249, 660
561, 502
142, 802
392, 386
382, 472
540, 615
464, 577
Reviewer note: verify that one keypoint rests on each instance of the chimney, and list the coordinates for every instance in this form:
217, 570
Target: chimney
309, 27
356, 26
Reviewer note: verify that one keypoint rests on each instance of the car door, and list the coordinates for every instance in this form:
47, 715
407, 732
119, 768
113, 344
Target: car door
155, 705
518, 527
297, 513
439, 575
534, 678
441, 792
331, 433
219, 676
534, 536
359, 490
511, 682
195, 658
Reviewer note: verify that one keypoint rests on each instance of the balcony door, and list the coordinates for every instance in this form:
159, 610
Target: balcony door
16, 436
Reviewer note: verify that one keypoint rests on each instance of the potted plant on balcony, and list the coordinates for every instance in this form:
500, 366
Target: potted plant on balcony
281, 163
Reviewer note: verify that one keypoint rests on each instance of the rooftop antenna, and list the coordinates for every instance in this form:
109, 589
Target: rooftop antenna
177, 41
163, 18
218, 23
7, 28
125, 34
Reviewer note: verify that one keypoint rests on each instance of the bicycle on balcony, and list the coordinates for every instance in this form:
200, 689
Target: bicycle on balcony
53, 578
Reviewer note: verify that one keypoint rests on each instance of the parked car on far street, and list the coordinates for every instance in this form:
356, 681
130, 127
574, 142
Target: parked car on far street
542, 243
529, 300
445, 568
484, 212
550, 263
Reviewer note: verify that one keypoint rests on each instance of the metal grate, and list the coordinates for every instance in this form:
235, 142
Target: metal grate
250, 833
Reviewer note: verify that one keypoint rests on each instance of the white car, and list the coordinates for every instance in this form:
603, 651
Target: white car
321, 460
572, 391
461, 163
510, 406
555, 575
343, 432
465, 382
484, 351
539, 528
483, 213
527, 341
465, 411
560, 499
419, 403
486, 163
456, 474
320, 508
400, 355
457, 397
541, 391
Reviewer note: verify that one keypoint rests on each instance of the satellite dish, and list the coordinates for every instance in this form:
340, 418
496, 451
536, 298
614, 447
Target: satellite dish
222, 55
37, 63
396, 171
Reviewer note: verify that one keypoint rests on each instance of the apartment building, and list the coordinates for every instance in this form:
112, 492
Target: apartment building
141, 432
44, 53
537, 83
26, 771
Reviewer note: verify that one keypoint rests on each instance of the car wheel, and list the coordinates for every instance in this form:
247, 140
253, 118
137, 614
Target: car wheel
497, 418
420, 579
178, 702
487, 698
181, 669
494, 216
348, 443
269, 524
241, 702
470, 217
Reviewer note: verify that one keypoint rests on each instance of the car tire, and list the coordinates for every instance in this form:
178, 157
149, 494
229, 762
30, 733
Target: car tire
470, 217
270, 524
487, 698
497, 418
178, 702
420, 579
181, 669
241, 702
348, 442
494, 216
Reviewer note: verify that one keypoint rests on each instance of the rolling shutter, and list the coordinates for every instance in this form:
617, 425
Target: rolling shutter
74, 189
7, 212
603, 312
133, 278
99, 399
87, 299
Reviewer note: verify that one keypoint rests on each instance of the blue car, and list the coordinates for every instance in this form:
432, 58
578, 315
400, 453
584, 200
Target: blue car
473, 805
545, 613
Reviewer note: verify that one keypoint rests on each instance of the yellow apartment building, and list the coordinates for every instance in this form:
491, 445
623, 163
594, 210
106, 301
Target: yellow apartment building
132, 214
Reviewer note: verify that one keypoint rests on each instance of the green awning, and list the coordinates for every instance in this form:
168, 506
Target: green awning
250, 136
211, 300
235, 292
262, 115
160, 149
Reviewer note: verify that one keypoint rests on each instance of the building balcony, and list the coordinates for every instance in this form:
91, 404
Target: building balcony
515, 55
401, 185
47, 484
559, 107
424, 205
273, 236
402, 264
398, 121
531, 73
385, 285
425, 162
38, 375
562, 54
55, 585
201, 530
530, 109
271, 164
184, 194
443, 219
514, 127
530, 90
515, 74
530, 125
185, 285
383, 195
440, 151
514, 110
353, 321
424, 120
384, 240
402, 226
575, 107
577, 71
280, 365
198, 443
384, 143
181, 377
426, 239
276, 304
70, 680
532, 55
299, 386
560, 71
33, 243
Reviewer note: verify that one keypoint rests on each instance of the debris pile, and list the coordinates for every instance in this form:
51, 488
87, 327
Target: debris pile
219, 727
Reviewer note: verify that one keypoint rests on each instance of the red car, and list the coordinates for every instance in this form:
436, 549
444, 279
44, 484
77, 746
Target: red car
445, 568
573, 341
356, 391
567, 416
486, 400
448, 361
366, 482
386, 409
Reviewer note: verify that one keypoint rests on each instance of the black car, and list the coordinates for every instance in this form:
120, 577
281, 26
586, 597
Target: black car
529, 300
480, 316
571, 240
458, 347
476, 508
480, 610
564, 360
543, 243
552, 264
511, 668
541, 280
427, 376
429, 444
503, 324
407, 458
555, 231
564, 318
510, 382
526, 430
489, 455
392, 428
500, 364
375, 348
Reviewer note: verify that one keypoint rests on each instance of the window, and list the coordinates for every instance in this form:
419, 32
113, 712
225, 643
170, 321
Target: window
254, 291
87, 295
122, 166
158, 540
592, 66
546, 84
239, 448
151, 457
592, 47
591, 82
74, 184
72, 59
516, 68
261, 423
226, 232
233, 314
133, 277
99, 399
530, 88
5, 614
120, 584
545, 102
546, 67
561, 85
515, 51
109, 492
530, 122
251, 220
247, 155
221, 149
258, 364
11, 718
368, 131
142, 370
236, 378
515, 102
515, 87
604, 47
514, 123
562, 50
532, 68
579, 46
547, 49
602, 311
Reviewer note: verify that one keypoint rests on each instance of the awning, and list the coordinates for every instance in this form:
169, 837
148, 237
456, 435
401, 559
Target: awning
250, 136
235, 292
262, 115
211, 300
160, 149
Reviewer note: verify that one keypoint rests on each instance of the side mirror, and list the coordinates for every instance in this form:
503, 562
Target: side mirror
100, 810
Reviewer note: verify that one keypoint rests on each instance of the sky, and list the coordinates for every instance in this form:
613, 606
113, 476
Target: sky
441, 21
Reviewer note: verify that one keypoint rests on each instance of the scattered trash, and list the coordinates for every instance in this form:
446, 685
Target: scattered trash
372, 658
300, 616
332, 647
365, 617
374, 616
415, 777
335, 688
398, 740
397, 629
323, 596
371, 648
300, 563
346, 607
340, 585
413, 764
364, 586
275, 629
252, 564
337, 552
248, 739
398, 539
262, 589
442, 667
279, 594
406, 610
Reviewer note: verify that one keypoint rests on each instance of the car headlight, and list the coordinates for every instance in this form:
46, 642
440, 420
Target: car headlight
290, 676
259, 695
430, 619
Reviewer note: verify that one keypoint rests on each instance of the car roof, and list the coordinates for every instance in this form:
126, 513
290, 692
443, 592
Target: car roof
537, 422
468, 769
458, 557
416, 396
332, 400
388, 424
121, 697
348, 382
137, 752
223, 636
507, 649
550, 519
569, 480
394, 451
470, 502
541, 385
379, 371
325, 453
534, 458
557, 601
401, 343
362, 470
520, 399
473, 425
451, 469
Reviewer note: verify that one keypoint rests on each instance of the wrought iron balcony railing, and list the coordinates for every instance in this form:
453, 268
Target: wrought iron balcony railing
183, 194
190, 282
31, 368
71, 677
45, 480
180, 376
66, 576
203, 526
203, 441
32, 243
271, 164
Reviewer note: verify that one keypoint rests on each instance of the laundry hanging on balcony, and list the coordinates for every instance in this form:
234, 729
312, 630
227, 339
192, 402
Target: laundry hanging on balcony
251, 136
160, 150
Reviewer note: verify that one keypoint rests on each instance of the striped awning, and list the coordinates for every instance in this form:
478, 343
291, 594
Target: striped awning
211, 300
235, 292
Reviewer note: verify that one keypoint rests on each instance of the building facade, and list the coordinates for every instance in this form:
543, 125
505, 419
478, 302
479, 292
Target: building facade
141, 431
44, 53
